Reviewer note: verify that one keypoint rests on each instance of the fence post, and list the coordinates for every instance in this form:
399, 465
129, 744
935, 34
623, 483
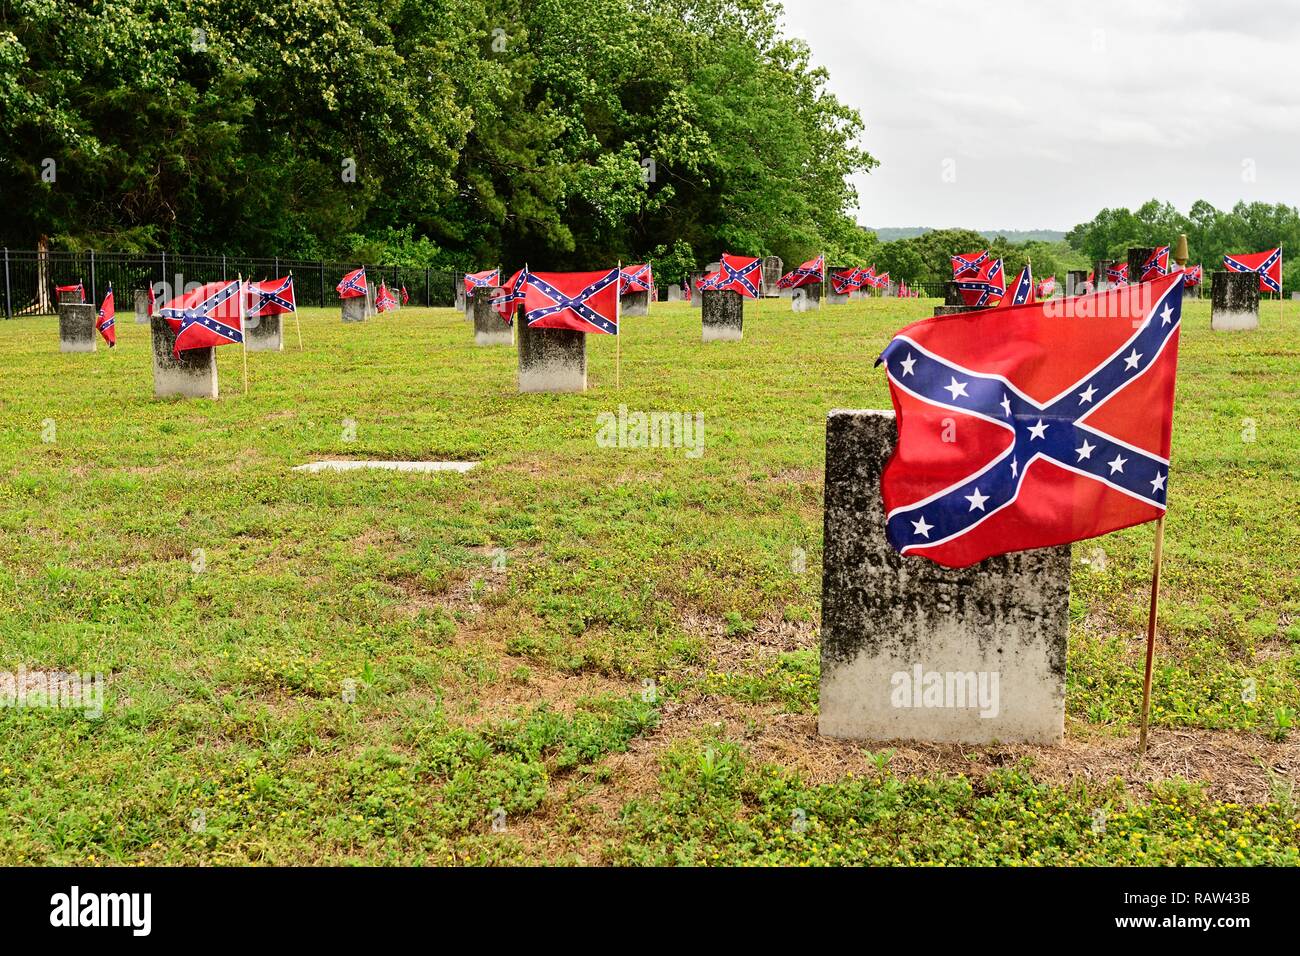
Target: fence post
223, 269
277, 267
428, 297
9, 309
322, 283
166, 284
94, 293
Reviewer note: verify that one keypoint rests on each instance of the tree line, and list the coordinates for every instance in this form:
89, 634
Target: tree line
445, 133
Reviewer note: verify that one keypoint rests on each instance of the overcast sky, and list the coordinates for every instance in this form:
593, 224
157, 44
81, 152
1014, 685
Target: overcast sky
1022, 115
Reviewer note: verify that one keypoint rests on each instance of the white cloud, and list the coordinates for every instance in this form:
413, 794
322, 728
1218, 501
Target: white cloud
1052, 110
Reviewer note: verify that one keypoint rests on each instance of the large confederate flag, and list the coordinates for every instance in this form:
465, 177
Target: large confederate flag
1023, 428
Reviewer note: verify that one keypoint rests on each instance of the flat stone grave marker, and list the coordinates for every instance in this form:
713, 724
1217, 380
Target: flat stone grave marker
1234, 302
192, 375
674, 293
489, 327
354, 309
141, 298
634, 304
912, 650
551, 360
697, 297
417, 466
77, 327
264, 333
722, 315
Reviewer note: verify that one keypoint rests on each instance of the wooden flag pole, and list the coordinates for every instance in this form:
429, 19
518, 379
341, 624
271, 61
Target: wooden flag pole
618, 328
1151, 631
296, 321
243, 326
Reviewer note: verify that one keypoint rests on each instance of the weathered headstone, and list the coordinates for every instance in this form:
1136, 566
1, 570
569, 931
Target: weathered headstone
77, 327
552, 360
141, 300
1076, 281
1099, 281
800, 301
191, 375
832, 297
73, 297
697, 297
458, 292
354, 309
1234, 302
772, 266
634, 304
1137, 258
912, 650
264, 333
489, 327
674, 292
723, 315
952, 294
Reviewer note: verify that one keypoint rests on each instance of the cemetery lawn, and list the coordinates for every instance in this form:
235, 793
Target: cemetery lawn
336, 668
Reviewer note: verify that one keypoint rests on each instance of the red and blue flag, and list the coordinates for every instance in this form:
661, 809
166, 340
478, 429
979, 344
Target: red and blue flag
1026, 429
969, 264
106, 320
207, 316
1267, 264
488, 279
740, 274
987, 284
581, 301
353, 284
384, 299
637, 278
272, 297
1157, 264
809, 273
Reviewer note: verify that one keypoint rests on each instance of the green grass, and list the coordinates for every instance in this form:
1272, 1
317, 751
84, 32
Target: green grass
327, 668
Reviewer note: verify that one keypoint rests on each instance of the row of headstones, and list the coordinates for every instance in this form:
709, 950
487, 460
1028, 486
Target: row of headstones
1234, 296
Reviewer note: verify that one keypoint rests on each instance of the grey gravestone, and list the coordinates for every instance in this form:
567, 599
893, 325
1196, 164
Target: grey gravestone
192, 375
552, 360
354, 309
141, 297
635, 304
1234, 302
800, 300
458, 293
674, 293
1076, 281
951, 294
73, 297
489, 327
893, 624
772, 266
77, 327
697, 297
831, 297
1137, 258
264, 333
722, 315
1099, 281
1295, 296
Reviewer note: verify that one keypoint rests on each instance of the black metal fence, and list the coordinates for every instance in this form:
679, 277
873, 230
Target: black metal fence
30, 277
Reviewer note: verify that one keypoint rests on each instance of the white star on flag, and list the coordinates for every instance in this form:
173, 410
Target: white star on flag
977, 500
907, 364
1085, 451
921, 528
1038, 431
1117, 464
956, 388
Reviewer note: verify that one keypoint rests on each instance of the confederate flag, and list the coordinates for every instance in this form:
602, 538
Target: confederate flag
512, 293
582, 301
637, 278
353, 284
107, 319
987, 283
810, 273
405, 298
491, 278
385, 299
1268, 264
1021, 292
78, 288
1065, 425
742, 274
969, 264
1157, 264
272, 297
206, 317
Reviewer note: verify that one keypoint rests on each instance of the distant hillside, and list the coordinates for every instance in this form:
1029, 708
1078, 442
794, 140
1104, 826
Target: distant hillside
890, 233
